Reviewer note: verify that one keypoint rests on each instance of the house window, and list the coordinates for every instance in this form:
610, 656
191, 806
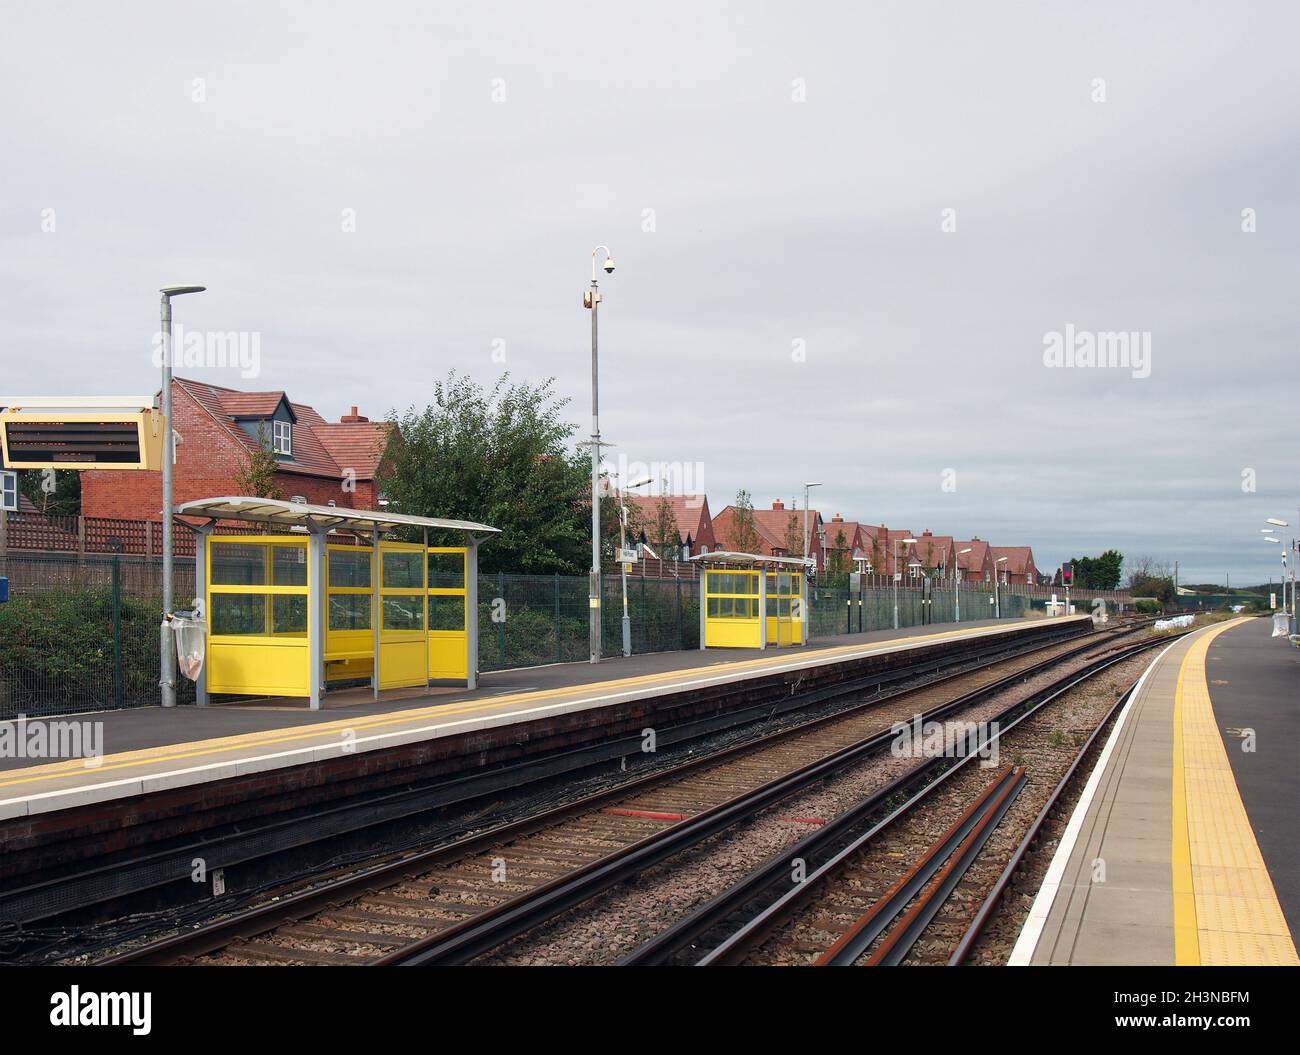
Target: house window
9, 492
283, 437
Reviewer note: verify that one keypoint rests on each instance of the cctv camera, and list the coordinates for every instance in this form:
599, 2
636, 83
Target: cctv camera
609, 265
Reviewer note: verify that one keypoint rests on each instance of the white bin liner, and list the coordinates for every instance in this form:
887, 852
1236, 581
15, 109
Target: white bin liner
1281, 624
1175, 623
191, 635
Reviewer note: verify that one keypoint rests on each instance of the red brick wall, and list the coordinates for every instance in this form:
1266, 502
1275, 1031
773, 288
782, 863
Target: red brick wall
206, 463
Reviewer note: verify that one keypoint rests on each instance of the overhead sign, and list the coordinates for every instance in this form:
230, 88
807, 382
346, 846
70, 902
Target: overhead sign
77, 437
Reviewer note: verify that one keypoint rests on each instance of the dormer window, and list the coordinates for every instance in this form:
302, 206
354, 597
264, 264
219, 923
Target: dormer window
282, 438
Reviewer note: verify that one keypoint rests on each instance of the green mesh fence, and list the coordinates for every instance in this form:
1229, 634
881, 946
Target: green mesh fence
82, 634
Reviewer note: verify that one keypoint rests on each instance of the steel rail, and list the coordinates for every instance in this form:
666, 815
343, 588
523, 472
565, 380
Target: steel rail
776, 871
479, 934
990, 902
295, 905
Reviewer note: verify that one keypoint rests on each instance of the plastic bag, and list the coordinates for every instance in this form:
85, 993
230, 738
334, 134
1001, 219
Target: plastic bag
1281, 624
191, 635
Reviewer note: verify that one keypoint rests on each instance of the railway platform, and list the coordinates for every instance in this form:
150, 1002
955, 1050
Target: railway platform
1181, 849
144, 751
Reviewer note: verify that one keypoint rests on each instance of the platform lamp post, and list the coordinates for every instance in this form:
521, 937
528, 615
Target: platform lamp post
898, 574
167, 657
997, 597
1294, 548
622, 544
591, 300
806, 538
956, 578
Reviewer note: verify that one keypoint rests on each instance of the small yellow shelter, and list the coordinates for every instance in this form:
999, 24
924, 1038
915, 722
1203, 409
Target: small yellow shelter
748, 600
322, 596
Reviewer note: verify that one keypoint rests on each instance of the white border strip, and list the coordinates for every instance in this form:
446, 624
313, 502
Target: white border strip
1027, 943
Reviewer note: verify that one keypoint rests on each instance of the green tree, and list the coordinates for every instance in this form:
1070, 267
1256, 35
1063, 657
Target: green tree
256, 477
743, 537
837, 561
57, 495
793, 540
499, 456
664, 534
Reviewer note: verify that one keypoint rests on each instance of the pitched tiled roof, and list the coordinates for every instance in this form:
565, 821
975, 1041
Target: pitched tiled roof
1019, 558
248, 404
690, 511
974, 560
320, 448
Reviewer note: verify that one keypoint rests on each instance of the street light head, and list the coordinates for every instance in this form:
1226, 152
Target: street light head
176, 291
961, 551
1000, 560
812, 484
1270, 538
1277, 523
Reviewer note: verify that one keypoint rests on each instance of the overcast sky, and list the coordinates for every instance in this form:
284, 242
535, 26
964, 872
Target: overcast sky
791, 309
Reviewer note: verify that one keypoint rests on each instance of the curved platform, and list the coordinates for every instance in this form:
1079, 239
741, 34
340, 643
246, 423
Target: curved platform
1181, 850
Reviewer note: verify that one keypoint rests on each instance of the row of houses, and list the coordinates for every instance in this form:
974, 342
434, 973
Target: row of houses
338, 462
849, 545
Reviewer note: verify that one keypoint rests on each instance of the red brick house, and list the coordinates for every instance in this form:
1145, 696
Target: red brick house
1019, 568
219, 428
694, 524
934, 552
977, 565
772, 526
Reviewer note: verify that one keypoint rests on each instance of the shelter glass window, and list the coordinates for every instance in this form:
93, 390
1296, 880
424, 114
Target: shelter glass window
402, 571
349, 611
236, 564
238, 614
446, 612
403, 613
350, 568
289, 614
446, 571
289, 565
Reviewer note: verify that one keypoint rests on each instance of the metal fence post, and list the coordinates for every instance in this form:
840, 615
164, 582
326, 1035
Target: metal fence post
558, 654
501, 626
118, 694
677, 586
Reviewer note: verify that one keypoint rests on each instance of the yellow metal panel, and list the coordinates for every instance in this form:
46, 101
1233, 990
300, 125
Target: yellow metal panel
448, 655
258, 666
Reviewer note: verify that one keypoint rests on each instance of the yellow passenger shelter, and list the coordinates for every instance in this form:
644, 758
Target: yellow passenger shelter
323, 596
748, 600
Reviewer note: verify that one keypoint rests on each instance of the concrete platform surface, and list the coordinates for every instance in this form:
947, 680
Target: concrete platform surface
151, 749
1182, 840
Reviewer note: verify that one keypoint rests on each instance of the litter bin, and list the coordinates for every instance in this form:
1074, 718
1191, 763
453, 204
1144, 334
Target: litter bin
191, 634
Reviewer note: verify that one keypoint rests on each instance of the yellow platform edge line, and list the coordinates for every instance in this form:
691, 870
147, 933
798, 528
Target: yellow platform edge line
325, 730
1236, 919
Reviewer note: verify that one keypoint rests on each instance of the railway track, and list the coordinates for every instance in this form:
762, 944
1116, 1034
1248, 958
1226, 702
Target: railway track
883, 881
456, 902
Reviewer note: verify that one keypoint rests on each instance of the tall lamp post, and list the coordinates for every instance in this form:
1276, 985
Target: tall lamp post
1294, 549
956, 573
997, 597
591, 300
898, 574
622, 544
167, 654
806, 488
